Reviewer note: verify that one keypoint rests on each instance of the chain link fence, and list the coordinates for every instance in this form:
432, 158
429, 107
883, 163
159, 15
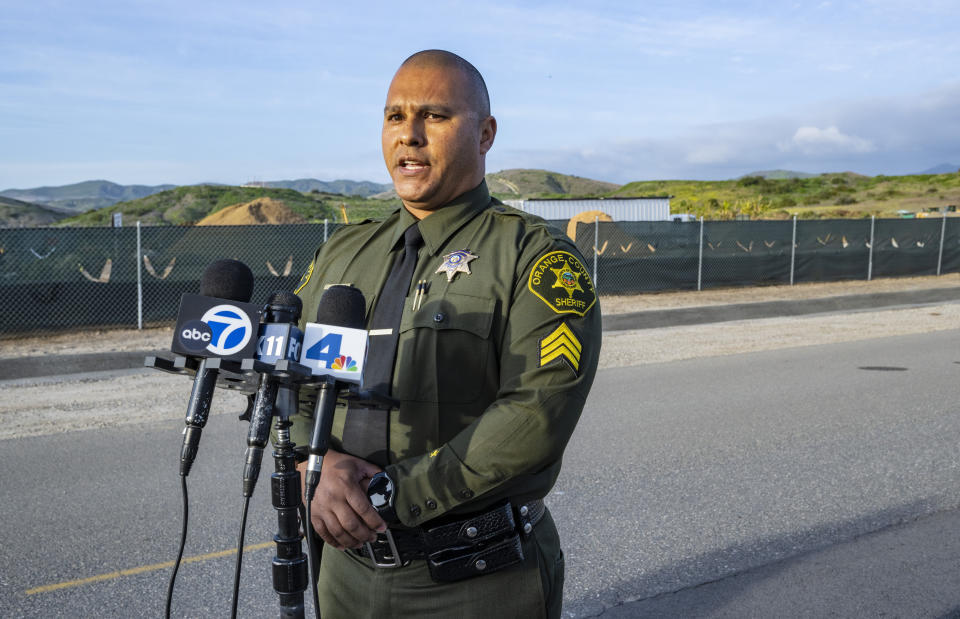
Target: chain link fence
54, 278
633, 257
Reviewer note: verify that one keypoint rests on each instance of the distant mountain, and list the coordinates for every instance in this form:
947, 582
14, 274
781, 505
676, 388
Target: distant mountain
522, 183
91, 195
943, 168
19, 214
779, 174
85, 196
191, 203
344, 187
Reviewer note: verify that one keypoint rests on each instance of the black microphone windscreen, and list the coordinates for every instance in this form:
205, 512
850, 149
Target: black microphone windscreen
285, 306
342, 306
227, 279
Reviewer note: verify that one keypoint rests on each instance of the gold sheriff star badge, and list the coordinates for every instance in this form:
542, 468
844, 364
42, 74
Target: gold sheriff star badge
456, 262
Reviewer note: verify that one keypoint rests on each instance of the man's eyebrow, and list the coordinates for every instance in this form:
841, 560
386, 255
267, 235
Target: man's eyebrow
442, 108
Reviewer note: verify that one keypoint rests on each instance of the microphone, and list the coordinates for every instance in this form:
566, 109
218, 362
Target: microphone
340, 319
282, 339
280, 317
229, 280
218, 322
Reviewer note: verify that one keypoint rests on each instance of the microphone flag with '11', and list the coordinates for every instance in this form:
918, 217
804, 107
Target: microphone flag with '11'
280, 338
225, 289
280, 334
335, 347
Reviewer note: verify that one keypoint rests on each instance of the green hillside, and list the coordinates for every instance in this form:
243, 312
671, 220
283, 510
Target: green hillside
19, 214
835, 195
841, 195
520, 183
189, 204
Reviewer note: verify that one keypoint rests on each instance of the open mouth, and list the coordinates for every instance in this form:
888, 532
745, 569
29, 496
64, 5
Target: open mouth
412, 164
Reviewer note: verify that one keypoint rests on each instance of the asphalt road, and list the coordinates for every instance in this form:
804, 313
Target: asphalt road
687, 473
749, 485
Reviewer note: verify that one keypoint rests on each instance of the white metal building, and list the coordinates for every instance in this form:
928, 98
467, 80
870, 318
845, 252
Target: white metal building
619, 209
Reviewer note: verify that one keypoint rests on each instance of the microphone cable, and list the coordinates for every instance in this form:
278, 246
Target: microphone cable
313, 556
183, 542
282, 308
340, 306
236, 573
223, 279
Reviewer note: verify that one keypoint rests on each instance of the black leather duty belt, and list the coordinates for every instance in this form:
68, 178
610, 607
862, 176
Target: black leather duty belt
474, 546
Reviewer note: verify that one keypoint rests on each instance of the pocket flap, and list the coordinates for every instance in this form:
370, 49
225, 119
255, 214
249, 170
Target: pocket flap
453, 311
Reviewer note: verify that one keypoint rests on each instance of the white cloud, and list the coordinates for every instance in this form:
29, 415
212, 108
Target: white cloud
813, 140
906, 135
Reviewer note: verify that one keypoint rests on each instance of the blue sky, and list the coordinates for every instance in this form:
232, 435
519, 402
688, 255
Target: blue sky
185, 92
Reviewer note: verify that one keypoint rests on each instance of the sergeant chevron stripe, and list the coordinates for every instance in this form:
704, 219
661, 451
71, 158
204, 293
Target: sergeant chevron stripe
563, 344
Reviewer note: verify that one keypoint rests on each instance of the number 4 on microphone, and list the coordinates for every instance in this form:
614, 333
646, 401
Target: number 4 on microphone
326, 350
334, 351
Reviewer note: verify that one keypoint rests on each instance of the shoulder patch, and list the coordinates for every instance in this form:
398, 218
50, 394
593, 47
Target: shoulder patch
561, 281
562, 343
305, 279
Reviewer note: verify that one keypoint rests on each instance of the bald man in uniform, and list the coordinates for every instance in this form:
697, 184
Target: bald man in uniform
496, 348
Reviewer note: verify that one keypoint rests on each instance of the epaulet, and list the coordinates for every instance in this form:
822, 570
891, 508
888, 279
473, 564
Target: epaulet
362, 222
356, 227
530, 220
498, 207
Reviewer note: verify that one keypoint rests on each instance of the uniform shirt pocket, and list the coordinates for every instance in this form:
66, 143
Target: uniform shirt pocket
444, 352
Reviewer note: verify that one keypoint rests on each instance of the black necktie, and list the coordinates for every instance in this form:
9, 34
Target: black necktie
366, 430
382, 353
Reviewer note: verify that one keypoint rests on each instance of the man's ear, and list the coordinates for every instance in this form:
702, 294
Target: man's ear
488, 131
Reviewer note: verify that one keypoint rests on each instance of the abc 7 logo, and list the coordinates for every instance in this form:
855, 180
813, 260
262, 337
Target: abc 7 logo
222, 330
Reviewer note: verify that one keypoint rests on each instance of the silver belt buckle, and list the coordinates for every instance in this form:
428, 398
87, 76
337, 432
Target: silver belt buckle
393, 551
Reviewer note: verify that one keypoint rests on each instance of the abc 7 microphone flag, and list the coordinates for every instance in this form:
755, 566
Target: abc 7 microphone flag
211, 327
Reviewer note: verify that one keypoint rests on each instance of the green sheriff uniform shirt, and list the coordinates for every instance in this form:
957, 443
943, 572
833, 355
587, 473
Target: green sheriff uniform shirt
492, 370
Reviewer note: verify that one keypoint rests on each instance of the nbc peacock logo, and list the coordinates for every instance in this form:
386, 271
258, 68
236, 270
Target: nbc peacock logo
344, 363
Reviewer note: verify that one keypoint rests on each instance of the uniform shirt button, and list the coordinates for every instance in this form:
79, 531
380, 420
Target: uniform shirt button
431, 504
439, 317
466, 493
415, 510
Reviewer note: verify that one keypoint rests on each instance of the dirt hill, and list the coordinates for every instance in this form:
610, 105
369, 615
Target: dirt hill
259, 211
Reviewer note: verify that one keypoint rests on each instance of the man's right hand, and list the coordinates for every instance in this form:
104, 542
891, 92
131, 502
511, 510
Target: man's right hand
341, 513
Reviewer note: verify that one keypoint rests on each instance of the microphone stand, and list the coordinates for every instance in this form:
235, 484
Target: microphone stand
290, 563
290, 575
